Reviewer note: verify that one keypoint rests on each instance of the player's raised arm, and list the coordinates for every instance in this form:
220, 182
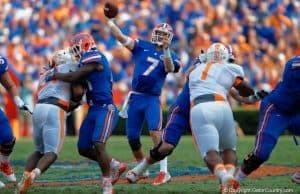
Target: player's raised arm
168, 62
111, 11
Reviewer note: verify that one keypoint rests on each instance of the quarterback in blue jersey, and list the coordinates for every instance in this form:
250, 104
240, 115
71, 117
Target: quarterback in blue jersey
7, 140
280, 110
153, 61
102, 115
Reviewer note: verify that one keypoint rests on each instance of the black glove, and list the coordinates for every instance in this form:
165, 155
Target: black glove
26, 107
262, 93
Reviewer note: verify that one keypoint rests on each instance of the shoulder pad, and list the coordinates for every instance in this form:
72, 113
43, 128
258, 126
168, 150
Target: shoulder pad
91, 56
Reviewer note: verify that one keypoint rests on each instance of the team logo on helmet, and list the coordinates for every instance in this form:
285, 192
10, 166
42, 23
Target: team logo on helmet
80, 43
160, 32
217, 52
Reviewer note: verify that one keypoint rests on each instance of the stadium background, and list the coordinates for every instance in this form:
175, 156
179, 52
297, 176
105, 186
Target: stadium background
264, 34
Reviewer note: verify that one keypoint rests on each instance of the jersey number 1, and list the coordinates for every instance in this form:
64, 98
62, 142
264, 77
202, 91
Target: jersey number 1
205, 71
154, 64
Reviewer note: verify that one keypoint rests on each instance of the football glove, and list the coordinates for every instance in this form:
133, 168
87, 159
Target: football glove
261, 94
21, 105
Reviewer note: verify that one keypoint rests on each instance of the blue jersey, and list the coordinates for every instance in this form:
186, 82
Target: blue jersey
99, 82
286, 95
183, 99
149, 72
3, 65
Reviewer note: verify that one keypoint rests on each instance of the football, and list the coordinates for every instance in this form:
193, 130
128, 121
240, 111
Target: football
110, 10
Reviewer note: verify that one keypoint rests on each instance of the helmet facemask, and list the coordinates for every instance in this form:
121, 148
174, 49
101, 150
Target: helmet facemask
75, 50
81, 43
161, 33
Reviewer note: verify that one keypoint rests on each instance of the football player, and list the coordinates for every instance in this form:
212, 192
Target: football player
7, 140
178, 121
211, 117
153, 61
49, 119
102, 115
278, 111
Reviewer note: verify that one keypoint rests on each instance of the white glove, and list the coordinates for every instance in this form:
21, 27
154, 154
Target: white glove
123, 112
259, 95
21, 105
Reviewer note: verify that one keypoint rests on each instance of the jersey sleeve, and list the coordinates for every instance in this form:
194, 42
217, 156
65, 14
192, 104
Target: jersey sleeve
65, 68
3, 65
295, 67
140, 45
136, 46
91, 57
236, 71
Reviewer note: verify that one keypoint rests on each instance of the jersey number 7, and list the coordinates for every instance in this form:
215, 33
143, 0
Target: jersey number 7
154, 63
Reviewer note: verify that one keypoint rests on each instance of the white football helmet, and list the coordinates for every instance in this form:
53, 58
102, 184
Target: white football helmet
217, 52
63, 56
59, 57
161, 31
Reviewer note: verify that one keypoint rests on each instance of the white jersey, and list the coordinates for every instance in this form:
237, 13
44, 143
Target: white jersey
213, 78
56, 88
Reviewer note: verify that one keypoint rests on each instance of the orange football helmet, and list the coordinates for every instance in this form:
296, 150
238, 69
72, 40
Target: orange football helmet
80, 43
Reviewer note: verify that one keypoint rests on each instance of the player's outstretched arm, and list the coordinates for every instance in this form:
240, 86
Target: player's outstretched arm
122, 38
76, 75
257, 96
111, 11
246, 100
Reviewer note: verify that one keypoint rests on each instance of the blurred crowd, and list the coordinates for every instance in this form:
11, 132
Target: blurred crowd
264, 34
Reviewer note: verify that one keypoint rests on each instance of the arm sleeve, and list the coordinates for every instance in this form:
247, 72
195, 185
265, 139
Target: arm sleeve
136, 46
236, 71
296, 69
91, 57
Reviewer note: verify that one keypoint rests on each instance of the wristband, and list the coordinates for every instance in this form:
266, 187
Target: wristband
110, 24
167, 53
253, 98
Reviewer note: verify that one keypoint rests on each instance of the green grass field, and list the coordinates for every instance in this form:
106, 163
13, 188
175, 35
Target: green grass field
185, 160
